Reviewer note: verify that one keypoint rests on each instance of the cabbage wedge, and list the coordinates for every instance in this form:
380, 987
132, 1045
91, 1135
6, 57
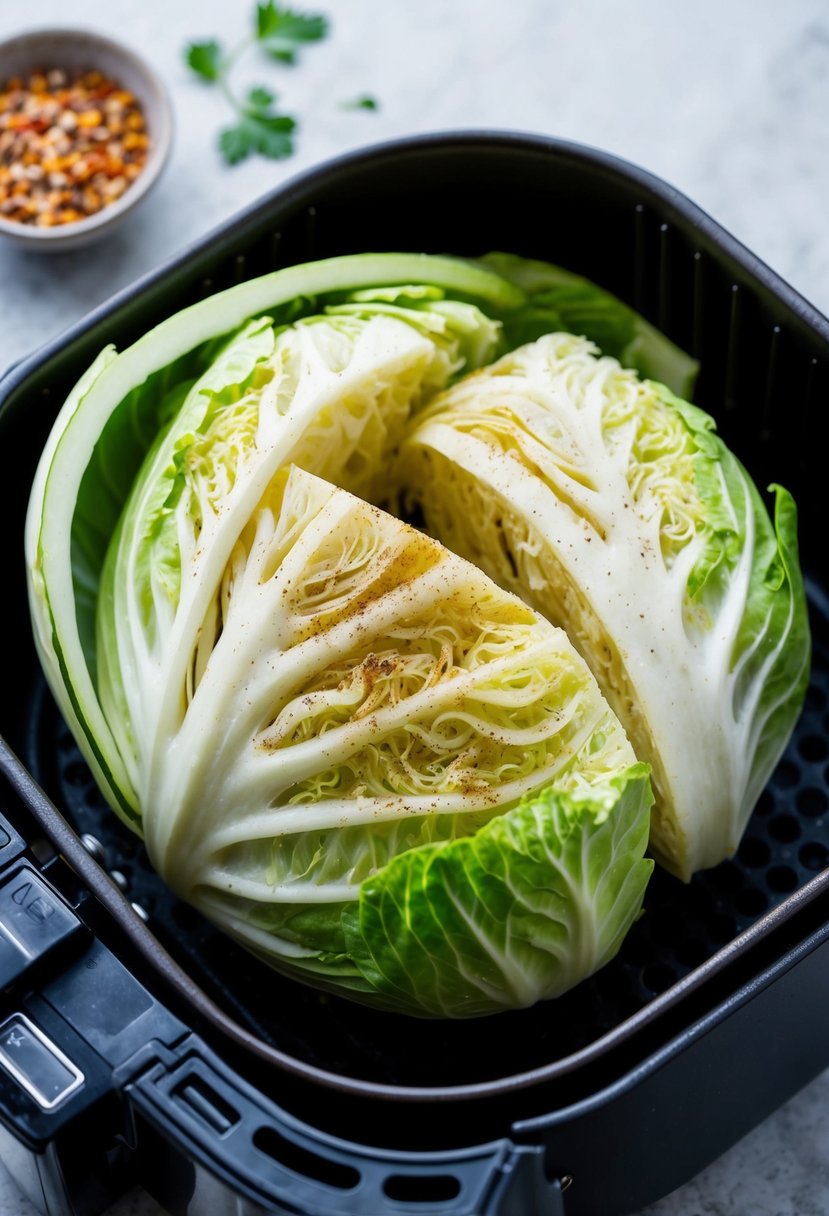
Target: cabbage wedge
353, 701
611, 506
347, 746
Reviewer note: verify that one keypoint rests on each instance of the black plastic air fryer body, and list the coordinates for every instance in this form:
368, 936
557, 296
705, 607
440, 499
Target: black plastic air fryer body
137, 1043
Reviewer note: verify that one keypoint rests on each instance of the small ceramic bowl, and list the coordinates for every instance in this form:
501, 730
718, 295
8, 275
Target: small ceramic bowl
79, 50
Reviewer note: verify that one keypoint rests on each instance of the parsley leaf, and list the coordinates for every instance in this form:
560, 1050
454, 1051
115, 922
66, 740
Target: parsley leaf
205, 58
283, 31
235, 144
363, 102
269, 135
260, 98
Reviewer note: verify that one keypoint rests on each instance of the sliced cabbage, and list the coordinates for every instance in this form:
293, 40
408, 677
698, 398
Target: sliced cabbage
612, 507
293, 696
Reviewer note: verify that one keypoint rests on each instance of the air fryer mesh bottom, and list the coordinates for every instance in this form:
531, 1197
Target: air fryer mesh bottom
786, 843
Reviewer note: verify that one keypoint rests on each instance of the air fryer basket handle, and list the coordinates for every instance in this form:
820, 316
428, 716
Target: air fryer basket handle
201, 1133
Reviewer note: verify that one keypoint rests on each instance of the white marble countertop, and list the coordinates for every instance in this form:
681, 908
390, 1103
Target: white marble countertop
726, 99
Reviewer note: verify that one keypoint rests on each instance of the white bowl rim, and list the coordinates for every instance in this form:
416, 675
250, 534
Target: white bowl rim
159, 147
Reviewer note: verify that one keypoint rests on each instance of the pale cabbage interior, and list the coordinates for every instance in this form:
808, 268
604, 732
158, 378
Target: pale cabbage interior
366, 692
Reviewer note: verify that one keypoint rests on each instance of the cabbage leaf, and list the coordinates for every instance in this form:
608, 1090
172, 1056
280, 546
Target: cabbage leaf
558, 300
538, 899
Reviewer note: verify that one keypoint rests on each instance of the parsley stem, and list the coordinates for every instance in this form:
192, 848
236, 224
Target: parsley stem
229, 95
225, 68
232, 57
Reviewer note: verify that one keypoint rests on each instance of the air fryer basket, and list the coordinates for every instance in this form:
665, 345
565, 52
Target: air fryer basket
640, 1048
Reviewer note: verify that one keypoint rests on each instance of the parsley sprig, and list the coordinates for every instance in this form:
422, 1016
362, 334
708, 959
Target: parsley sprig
260, 127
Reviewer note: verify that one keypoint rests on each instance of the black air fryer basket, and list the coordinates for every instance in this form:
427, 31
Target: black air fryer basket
137, 1043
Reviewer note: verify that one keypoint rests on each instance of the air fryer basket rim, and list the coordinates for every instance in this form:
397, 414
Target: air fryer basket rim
56, 827
495, 140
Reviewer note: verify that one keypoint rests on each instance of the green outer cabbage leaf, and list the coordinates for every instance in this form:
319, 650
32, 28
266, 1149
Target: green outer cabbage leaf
559, 300
537, 900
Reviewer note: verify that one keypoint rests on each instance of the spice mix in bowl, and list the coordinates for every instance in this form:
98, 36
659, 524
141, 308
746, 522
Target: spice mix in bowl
85, 130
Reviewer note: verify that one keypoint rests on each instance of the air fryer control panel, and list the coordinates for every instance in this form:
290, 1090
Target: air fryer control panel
70, 1015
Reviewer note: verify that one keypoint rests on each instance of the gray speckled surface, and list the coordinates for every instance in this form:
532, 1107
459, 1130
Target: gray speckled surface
727, 99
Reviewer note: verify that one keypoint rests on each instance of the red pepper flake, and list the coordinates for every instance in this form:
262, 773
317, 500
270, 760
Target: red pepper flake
70, 144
